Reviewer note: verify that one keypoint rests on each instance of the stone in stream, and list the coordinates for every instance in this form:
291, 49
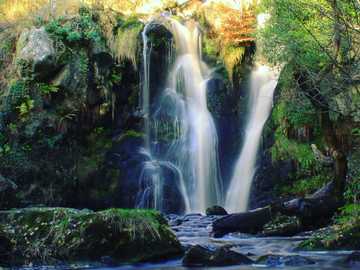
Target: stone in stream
279, 260
216, 211
201, 256
353, 258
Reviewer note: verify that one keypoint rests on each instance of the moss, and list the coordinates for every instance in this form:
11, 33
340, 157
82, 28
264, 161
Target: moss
343, 234
281, 225
302, 187
80, 30
232, 56
45, 234
98, 143
129, 133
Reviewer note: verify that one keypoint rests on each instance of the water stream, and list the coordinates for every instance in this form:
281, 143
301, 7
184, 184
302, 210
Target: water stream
263, 82
180, 132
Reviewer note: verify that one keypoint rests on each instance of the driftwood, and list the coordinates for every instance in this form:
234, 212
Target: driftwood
249, 222
313, 211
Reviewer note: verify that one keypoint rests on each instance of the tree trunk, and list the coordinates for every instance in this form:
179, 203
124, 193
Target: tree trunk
329, 132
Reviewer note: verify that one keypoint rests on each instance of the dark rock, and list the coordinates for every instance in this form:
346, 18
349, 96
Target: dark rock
108, 261
200, 256
5, 247
7, 193
101, 55
224, 256
353, 258
279, 260
197, 256
6, 184
72, 77
216, 211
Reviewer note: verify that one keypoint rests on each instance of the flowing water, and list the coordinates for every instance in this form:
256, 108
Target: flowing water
263, 82
180, 132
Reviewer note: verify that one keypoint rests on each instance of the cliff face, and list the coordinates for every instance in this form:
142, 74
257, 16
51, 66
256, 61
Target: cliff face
63, 96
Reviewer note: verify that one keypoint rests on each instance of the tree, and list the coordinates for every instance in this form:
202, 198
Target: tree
319, 43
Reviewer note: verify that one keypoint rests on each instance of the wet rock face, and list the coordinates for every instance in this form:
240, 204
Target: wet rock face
200, 256
278, 260
8, 191
35, 50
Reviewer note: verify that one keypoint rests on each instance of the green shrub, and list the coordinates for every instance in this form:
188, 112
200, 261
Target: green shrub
81, 29
304, 186
47, 89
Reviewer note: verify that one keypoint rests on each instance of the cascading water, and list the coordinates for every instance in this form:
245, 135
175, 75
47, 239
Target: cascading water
263, 82
181, 137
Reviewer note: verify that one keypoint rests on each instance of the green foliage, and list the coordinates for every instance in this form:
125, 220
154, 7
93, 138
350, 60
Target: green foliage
17, 91
82, 29
349, 213
116, 78
47, 89
303, 187
131, 22
285, 148
343, 234
286, 37
294, 113
352, 191
26, 106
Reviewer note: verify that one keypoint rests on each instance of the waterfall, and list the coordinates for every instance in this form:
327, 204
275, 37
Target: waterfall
181, 138
263, 82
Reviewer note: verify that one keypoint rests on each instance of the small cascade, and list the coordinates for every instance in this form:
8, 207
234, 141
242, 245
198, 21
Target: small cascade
263, 82
181, 139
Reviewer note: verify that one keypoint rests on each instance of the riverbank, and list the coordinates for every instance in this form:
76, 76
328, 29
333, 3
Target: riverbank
142, 239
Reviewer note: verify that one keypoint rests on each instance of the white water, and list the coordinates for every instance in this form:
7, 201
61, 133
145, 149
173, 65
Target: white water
263, 82
181, 113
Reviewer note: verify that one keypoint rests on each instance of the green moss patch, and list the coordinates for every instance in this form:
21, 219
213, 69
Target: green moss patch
45, 235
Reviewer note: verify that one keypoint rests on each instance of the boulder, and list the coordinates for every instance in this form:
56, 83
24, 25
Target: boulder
35, 53
72, 77
115, 235
197, 256
279, 260
201, 256
216, 211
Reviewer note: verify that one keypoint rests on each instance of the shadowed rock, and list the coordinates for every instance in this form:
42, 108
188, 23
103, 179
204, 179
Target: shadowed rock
200, 256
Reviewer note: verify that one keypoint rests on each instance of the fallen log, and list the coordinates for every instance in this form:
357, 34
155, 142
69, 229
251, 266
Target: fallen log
248, 222
313, 211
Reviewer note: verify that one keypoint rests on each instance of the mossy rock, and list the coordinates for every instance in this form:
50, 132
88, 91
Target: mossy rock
341, 236
44, 235
35, 53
